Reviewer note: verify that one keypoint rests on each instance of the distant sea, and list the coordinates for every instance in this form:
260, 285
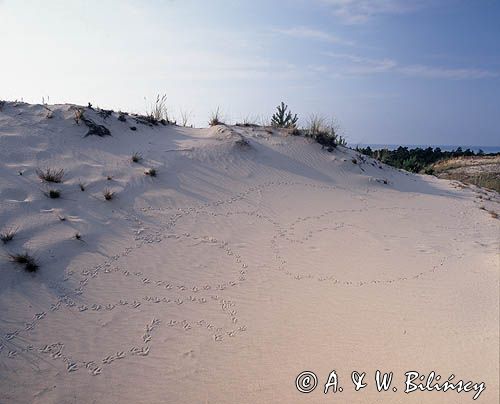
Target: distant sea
376, 146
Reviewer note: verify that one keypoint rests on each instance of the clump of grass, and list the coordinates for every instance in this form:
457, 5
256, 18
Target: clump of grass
151, 172
7, 235
108, 194
29, 262
53, 193
51, 175
317, 125
136, 157
158, 112
216, 118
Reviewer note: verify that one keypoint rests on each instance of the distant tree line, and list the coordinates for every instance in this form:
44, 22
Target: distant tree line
418, 159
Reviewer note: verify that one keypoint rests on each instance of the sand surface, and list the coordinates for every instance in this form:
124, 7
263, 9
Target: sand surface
251, 257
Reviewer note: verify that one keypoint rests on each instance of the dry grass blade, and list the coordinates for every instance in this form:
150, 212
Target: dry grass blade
8, 235
51, 175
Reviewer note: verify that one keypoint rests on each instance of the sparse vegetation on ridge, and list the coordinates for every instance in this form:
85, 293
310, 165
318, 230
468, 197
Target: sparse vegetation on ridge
317, 128
104, 113
215, 118
157, 111
249, 122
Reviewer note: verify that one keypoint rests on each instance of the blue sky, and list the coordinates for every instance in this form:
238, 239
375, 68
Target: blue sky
388, 71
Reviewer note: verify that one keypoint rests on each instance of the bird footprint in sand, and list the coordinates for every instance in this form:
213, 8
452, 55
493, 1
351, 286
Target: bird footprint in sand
11, 335
140, 352
39, 316
72, 367
96, 371
120, 355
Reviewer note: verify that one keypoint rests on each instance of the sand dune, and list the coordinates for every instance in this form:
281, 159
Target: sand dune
251, 257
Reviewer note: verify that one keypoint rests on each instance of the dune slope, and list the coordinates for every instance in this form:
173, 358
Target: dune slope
250, 257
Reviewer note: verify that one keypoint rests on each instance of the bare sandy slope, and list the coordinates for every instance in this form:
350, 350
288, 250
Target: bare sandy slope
235, 269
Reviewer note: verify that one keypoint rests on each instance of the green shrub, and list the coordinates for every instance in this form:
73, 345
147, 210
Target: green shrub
283, 118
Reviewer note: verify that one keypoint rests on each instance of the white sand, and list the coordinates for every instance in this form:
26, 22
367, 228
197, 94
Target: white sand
235, 269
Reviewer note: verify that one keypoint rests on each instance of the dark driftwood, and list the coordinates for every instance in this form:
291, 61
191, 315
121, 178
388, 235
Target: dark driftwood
94, 128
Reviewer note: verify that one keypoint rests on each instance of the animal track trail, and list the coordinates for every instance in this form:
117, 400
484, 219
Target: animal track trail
106, 268
141, 237
287, 234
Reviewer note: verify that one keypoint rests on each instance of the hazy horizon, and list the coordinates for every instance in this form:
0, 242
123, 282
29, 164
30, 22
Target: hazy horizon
388, 71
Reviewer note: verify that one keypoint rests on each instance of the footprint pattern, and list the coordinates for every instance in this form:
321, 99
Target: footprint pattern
70, 290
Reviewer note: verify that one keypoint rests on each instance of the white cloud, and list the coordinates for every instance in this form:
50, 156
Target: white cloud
310, 33
359, 11
446, 73
358, 65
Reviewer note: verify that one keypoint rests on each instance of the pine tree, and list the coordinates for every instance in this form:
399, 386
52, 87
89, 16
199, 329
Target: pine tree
283, 118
